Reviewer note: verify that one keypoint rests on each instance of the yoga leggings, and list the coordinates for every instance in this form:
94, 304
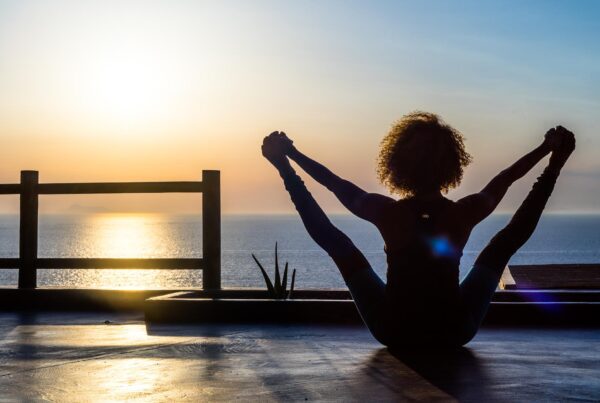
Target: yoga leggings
368, 290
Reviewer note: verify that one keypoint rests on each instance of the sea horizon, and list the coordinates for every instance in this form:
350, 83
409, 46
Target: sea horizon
559, 238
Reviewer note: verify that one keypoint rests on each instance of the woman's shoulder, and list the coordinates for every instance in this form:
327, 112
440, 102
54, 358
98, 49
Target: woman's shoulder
416, 204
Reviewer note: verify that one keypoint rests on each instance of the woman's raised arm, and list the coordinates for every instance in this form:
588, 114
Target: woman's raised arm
361, 203
341, 249
482, 204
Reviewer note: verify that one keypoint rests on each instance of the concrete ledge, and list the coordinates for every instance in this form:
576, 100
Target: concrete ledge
554, 307
314, 306
63, 299
239, 306
559, 314
551, 276
88, 299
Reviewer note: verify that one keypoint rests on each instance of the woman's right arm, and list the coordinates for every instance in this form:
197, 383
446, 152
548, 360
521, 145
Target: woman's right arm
341, 249
361, 203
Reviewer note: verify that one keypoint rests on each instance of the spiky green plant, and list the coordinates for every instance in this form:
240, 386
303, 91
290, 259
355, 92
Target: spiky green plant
278, 288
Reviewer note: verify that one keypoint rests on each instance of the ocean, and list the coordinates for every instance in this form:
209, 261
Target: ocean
558, 239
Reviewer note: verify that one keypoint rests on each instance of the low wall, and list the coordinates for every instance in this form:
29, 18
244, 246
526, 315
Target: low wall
549, 307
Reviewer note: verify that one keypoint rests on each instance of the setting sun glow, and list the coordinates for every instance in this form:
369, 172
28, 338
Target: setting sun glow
134, 91
124, 89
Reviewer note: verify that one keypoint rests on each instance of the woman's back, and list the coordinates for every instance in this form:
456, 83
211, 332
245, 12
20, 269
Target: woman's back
424, 240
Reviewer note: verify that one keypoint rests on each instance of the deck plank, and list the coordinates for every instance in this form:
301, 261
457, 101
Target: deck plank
76, 357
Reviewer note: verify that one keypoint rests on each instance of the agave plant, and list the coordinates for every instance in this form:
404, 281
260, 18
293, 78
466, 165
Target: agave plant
278, 288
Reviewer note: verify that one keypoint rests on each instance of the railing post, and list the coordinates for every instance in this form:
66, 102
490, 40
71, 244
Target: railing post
211, 229
28, 229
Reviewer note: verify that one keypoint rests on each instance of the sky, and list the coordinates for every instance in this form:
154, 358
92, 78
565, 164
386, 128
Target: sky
153, 91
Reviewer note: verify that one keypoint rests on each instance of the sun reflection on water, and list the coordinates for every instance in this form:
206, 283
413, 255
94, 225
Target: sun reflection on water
124, 236
127, 235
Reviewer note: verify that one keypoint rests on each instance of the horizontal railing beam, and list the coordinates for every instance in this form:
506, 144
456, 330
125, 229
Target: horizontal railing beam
10, 189
119, 187
114, 187
10, 263
109, 263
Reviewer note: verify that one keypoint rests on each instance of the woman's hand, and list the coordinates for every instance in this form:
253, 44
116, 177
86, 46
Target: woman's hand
274, 147
564, 148
286, 143
552, 140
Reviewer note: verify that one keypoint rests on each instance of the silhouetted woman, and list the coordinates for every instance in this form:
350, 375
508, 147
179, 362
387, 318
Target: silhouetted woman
424, 232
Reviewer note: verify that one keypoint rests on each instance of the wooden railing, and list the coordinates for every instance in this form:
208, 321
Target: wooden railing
29, 190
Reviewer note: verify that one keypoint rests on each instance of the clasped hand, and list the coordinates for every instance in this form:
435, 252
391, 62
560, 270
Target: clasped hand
561, 142
276, 146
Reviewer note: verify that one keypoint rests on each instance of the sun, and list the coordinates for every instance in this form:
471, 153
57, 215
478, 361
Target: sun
127, 84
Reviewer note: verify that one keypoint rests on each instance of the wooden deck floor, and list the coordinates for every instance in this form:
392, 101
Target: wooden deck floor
77, 357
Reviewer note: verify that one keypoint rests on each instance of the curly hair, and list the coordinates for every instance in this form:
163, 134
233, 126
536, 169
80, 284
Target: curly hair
421, 152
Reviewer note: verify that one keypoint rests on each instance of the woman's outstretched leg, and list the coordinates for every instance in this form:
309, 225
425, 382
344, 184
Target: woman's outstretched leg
478, 287
367, 289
